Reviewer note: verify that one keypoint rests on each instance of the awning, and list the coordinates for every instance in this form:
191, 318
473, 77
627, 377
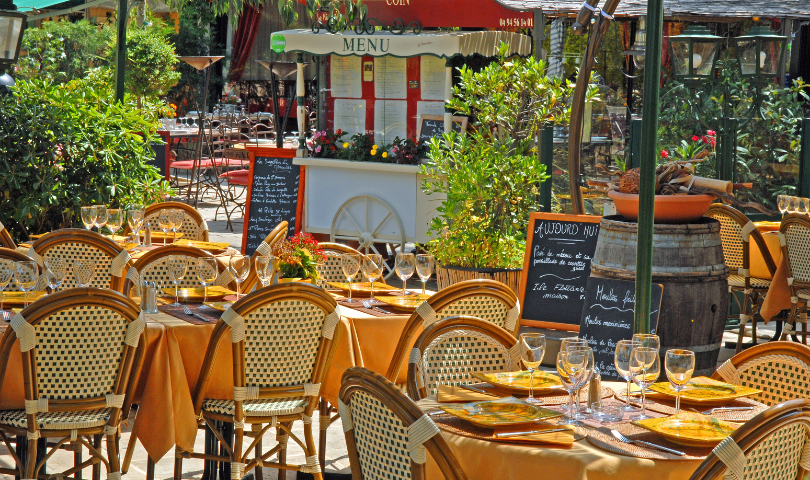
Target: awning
26, 5
439, 44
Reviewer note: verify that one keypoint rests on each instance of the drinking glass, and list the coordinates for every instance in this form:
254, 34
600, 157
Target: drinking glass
647, 340
806, 202
679, 365
177, 222
645, 366
424, 268
624, 351
571, 365
165, 223
27, 276
101, 216
56, 271
6, 273
567, 343
800, 208
582, 380
404, 268
207, 272
83, 271
783, 202
372, 266
265, 268
532, 349
240, 267
135, 221
177, 271
793, 205
89, 215
115, 219
350, 263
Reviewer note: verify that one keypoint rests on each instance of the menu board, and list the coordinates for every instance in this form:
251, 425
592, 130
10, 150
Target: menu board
350, 116
390, 120
608, 316
390, 78
556, 267
429, 108
432, 74
344, 76
272, 195
430, 126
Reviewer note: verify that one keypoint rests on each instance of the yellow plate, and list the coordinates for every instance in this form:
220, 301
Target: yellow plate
500, 413
220, 306
705, 391
197, 294
17, 299
690, 429
404, 302
207, 246
518, 382
363, 287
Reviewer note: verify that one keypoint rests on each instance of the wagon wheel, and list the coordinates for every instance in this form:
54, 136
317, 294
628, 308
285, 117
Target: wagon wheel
369, 221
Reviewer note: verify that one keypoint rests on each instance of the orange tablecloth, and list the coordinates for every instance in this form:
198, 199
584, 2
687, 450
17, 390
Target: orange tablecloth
758, 267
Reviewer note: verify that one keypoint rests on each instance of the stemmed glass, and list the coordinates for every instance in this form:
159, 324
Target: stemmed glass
783, 202
27, 276
135, 221
800, 208
794, 204
647, 340
645, 366
177, 222
115, 219
532, 349
177, 271
404, 268
101, 216
265, 268
583, 380
350, 263
571, 366
6, 273
624, 351
424, 268
806, 202
240, 267
165, 223
56, 271
207, 271
372, 266
679, 365
89, 215
83, 271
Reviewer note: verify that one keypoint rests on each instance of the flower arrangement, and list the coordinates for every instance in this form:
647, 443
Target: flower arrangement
298, 256
407, 152
324, 144
360, 148
229, 99
699, 147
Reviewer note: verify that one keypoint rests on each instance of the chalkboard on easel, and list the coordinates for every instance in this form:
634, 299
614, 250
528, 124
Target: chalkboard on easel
272, 196
608, 317
430, 126
556, 267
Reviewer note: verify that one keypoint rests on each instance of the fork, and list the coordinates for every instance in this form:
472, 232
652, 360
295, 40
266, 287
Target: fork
367, 304
624, 439
188, 311
722, 409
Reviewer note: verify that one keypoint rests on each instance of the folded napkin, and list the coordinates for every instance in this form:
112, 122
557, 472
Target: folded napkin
451, 394
565, 439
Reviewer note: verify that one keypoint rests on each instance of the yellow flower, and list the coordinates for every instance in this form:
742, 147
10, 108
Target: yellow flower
374, 152
346, 145
374, 147
385, 155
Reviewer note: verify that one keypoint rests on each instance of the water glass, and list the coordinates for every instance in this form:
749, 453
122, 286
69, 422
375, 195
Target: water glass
177, 222
265, 268
647, 340
115, 219
178, 264
239, 266
372, 266
101, 216
624, 351
783, 202
165, 222
56, 271
571, 366
806, 202
350, 264
424, 268
532, 349
135, 221
800, 208
794, 205
679, 365
83, 271
404, 268
645, 366
566, 343
26, 276
7, 269
207, 273
89, 215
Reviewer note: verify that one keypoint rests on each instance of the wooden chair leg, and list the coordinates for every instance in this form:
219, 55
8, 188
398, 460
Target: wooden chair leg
97, 466
178, 468
112, 454
150, 468
31, 459
309, 441
77, 458
323, 424
256, 428
282, 438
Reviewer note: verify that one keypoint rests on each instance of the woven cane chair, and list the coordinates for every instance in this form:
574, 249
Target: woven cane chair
276, 235
387, 435
736, 232
5, 238
774, 445
283, 343
112, 260
194, 226
80, 349
780, 369
450, 351
330, 270
794, 235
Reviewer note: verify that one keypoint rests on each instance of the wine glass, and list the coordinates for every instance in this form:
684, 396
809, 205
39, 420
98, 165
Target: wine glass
101, 216
582, 379
83, 271
350, 263
424, 268
177, 271
624, 350
56, 271
165, 223
89, 215
794, 204
679, 365
647, 340
207, 272
783, 202
265, 268
240, 267
645, 366
372, 266
567, 343
806, 202
115, 219
177, 222
6, 273
135, 221
27, 276
404, 268
800, 208
532, 349
571, 365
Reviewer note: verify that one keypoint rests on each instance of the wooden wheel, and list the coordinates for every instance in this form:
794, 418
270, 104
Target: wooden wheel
370, 222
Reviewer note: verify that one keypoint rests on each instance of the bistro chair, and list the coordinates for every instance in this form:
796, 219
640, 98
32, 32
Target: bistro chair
265, 248
80, 349
282, 346
331, 270
772, 445
112, 260
448, 352
794, 235
194, 226
780, 369
236, 178
5, 238
736, 232
387, 435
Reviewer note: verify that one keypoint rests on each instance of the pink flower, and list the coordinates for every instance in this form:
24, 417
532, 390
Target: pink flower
695, 138
711, 132
318, 149
664, 154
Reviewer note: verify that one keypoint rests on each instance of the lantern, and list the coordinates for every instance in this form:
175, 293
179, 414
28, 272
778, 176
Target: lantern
760, 54
694, 53
12, 24
639, 48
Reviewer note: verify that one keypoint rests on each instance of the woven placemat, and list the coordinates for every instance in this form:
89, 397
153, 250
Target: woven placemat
668, 407
210, 314
602, 438
457, 426
563, 399
358, 305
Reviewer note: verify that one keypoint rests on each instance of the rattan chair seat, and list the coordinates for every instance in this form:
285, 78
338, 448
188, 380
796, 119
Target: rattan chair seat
57, 420
258, 408
804, 294
739, 281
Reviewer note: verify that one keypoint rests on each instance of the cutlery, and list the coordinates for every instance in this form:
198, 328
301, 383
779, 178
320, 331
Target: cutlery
188, 311
367, 304
437, 412
531, 432
624, 439
722, 409
478, 390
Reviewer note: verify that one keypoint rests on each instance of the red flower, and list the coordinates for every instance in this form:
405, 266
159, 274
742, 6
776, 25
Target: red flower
711, 132
326, 142
704, 139
339, 132
695, 138
664, 154
331, 148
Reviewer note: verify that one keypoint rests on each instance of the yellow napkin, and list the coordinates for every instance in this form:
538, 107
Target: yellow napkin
557, 438
451, 394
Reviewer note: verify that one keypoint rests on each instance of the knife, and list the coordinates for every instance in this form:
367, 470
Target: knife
478, 390
531, 432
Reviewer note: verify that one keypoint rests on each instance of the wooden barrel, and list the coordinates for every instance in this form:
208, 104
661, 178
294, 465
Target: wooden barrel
688, 262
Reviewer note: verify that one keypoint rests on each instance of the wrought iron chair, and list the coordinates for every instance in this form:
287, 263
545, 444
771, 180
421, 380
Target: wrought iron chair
794, 235
112, 260
772, 445
780, 369
80, 349
236, 179
387, 435
736, 231
330, 270
449, 351
282, 343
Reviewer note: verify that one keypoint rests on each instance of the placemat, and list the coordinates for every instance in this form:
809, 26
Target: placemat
667, 407
563, 399
212, 315
602, 438
358, 305
457, 426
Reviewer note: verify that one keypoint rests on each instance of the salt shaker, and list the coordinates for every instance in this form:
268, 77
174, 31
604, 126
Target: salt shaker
595, 390
147, 236
149, 297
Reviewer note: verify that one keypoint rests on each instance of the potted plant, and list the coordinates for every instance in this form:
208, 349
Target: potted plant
297, 258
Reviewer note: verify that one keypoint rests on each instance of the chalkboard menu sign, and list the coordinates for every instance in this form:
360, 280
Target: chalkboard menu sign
430, 126
272, 196
556, 267
608, 316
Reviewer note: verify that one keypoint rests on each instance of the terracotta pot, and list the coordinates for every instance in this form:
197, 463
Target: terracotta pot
295, 279
668, 208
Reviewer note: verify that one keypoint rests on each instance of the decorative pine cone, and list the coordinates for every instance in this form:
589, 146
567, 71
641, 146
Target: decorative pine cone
630, 181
